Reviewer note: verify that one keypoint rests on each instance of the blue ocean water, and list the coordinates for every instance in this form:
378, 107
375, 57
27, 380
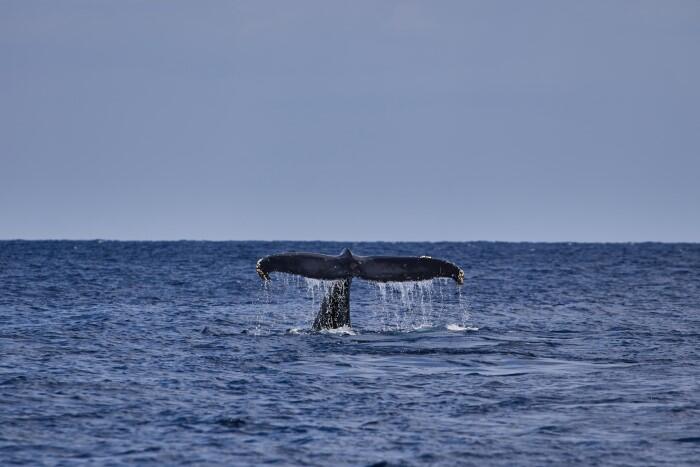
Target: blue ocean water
171, 353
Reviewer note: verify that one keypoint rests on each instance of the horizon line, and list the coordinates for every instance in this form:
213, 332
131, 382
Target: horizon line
626, 242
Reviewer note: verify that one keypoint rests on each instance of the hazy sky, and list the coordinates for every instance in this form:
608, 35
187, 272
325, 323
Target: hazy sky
350, 120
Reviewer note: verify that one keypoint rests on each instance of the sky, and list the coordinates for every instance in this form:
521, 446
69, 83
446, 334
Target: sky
350, 120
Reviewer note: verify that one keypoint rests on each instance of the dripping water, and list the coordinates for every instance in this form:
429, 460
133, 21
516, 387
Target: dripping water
292, 302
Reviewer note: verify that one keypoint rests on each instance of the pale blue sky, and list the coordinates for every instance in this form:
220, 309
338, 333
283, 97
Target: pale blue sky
350, 120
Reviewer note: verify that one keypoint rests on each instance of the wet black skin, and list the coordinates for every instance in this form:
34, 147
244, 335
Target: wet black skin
335, 308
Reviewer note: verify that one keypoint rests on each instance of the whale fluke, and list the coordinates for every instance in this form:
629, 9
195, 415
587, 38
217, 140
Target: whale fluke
335, 308
371, 268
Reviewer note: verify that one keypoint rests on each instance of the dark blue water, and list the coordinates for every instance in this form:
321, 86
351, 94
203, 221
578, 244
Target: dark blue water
174, 353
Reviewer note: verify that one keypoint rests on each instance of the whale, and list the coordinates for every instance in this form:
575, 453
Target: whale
343, 268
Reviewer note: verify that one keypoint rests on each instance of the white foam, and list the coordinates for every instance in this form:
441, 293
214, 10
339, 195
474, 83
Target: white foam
342, 331
457, 328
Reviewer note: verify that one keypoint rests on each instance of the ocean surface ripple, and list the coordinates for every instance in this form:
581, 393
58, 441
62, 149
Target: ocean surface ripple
171, 353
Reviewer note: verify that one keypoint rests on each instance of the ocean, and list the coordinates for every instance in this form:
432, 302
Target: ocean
174, 353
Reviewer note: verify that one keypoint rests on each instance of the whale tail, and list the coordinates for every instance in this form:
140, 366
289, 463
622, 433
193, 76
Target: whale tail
371, 268
335, 307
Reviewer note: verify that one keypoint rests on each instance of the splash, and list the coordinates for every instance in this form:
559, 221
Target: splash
278, 306
259, 318
290, 303
409, 305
